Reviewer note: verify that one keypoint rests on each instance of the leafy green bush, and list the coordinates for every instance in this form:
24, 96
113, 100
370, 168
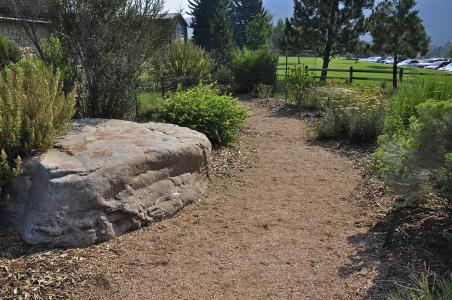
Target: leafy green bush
253, 67
9, 53
301, 86
202, 109
33, 112
425, 287
409, 95
420, 157
352, 116
264, 91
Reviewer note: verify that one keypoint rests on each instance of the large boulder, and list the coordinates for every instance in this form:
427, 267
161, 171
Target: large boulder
105, 178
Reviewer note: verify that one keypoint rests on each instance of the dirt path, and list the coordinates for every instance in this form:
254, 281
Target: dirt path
277, 230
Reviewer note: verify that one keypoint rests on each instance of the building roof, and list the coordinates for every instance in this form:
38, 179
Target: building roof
172, 16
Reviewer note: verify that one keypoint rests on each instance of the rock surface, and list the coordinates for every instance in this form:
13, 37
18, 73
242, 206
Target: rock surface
105, 178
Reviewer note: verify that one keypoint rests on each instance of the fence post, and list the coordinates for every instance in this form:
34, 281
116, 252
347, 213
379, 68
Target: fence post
285, 78
351, 75
298, 57
401, 75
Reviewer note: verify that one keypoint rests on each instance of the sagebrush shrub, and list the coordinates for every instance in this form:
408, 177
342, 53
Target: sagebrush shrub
219, 117
253, 67
263, 91
301, 85
420, 156
352, 116
34, 110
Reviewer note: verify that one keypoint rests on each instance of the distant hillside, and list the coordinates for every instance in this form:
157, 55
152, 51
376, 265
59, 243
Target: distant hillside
437, 15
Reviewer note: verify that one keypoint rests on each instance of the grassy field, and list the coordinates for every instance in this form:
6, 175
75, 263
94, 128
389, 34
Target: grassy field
339, 63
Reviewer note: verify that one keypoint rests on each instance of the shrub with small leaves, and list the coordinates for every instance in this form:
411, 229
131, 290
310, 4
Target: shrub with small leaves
34, 110
201, 108
301, 86
253, 67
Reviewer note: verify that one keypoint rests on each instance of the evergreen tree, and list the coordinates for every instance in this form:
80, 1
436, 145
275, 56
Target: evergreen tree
203, 13
450, 51
278, 39
244, 12
222, 40
397, 30
328, 27
258, 32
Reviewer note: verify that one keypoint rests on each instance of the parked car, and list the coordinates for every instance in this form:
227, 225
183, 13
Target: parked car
389, 61
374, 58
411, 63
436, 65
446, 68
428, 62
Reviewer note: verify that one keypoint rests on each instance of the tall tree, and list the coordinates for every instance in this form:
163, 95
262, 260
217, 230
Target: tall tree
222, 41
278, 37
243, 13
328, 27
397, 30
450, 51
111, 40
258, 32
203, 14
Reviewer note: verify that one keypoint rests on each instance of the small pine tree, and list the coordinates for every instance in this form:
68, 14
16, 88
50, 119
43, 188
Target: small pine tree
258, 32
328, 27
243, 13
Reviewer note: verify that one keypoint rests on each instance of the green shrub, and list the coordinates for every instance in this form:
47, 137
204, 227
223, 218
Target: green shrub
263, 91
33, 112
425, 287
185, 63
420, 156
9, 53
253, 67
54, 55
352, 116
409, 95
301, 86
202, 109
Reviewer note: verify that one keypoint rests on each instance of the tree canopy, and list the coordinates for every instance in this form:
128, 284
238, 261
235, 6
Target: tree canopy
328, 27
203, 14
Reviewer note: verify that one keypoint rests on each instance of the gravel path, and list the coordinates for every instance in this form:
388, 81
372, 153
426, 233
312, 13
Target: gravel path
277, 230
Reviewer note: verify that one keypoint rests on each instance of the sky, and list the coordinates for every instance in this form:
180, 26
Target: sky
436, 15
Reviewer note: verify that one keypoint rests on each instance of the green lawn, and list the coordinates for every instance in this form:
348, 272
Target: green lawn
340, 63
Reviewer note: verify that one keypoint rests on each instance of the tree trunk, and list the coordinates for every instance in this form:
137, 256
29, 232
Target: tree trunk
326, 63
394, 72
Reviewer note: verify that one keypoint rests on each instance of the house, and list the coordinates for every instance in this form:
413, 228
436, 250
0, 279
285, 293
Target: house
180, 26
11, 27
